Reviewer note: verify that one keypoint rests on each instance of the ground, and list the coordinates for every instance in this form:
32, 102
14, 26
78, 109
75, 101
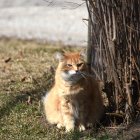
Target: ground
26, 74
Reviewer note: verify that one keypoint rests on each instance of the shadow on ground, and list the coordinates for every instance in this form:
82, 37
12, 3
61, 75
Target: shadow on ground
40, 86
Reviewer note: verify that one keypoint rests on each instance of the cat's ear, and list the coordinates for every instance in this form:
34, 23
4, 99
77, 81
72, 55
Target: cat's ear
83, 54
59, 56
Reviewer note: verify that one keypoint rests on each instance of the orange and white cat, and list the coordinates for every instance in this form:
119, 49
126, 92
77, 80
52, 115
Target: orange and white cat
75, 99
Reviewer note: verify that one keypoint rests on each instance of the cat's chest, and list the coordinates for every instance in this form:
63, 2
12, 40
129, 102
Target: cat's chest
76, 100
78, 104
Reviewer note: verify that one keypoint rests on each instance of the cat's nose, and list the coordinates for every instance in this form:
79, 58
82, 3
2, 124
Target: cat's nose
77, 71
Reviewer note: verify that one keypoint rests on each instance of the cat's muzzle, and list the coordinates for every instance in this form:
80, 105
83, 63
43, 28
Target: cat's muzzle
71, 76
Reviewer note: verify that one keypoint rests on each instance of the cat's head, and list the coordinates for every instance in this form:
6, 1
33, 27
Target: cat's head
71, 66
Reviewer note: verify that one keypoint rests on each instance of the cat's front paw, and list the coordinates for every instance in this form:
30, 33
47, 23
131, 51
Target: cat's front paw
82, 128
69, 127
59, 125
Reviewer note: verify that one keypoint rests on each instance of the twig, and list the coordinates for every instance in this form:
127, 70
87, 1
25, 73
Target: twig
115, 114
116, 127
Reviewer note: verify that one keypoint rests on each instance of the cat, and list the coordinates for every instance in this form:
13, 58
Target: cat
75, 100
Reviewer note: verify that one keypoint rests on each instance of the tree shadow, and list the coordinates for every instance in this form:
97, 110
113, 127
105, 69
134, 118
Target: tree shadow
40, 87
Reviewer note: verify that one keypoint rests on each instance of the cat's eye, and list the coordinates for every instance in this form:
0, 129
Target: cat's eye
80, 64
69, 65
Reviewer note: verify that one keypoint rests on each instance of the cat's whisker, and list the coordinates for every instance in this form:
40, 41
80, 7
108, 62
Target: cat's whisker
87, 74
83, 75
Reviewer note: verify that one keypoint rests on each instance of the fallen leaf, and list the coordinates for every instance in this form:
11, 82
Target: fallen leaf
23, 79
7, 60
